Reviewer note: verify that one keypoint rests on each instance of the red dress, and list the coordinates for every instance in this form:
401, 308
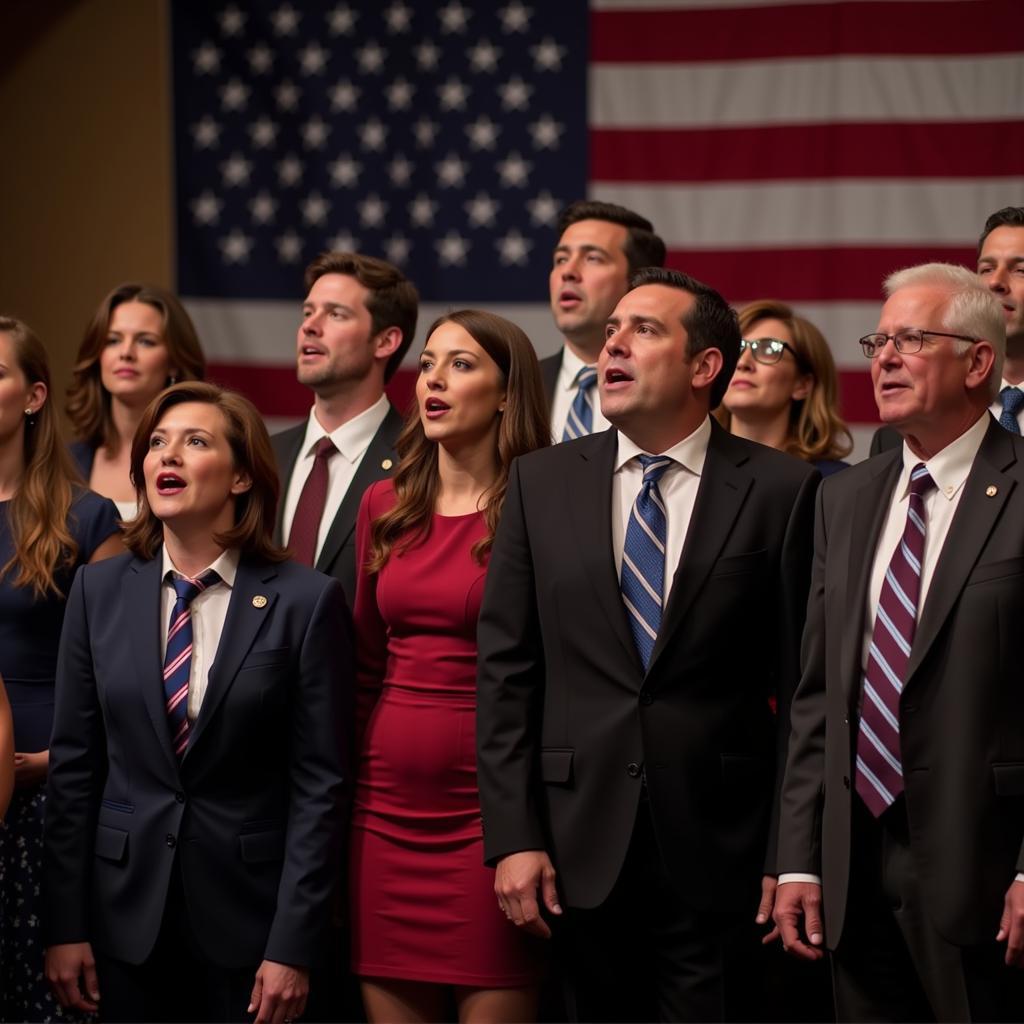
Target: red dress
423, 902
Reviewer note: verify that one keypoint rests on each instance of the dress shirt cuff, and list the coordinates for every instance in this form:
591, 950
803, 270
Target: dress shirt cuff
1020, 876
798, 876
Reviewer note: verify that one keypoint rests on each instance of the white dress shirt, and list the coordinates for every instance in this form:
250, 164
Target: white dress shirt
678, 487
209, 610
996, 408
351, 439
949, 469
565, 395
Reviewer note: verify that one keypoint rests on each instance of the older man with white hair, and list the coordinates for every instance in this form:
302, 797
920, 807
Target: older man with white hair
902, 818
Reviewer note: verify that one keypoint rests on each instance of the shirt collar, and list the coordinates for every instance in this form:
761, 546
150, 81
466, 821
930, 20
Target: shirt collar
689, 453
351, 438
571, 365
225, 565
948, 468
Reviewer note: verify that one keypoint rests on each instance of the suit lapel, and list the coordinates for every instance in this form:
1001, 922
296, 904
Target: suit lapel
141, 596
287, 446
588, 483
550, 367
378, 462
722, 491
871, 505
244, 619
969, 531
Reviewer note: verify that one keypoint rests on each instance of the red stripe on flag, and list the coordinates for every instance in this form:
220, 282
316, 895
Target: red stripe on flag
798, 152
275, 391
856, 397
807, 275
805, 30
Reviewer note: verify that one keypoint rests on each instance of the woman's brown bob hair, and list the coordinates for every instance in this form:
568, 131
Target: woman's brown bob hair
88, 402
524, 426
816, 430
255, 510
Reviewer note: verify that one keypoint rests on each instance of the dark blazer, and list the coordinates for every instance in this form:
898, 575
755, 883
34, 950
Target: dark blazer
253, 812
338, 557
550, 367
962, 706
568, 719
83, 455
883, 439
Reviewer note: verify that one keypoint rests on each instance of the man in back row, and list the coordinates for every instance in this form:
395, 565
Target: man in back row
1001, 267
600, 247
358, 321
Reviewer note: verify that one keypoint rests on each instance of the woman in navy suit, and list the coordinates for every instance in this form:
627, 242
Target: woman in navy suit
196, 775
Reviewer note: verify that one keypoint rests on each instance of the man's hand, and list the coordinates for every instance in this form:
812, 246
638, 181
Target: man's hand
66, 965
30, 769
1011, 925
516, 882
764, 909
279, 993
793, 901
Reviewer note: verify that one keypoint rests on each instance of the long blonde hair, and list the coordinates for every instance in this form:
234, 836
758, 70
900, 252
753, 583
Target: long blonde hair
816, 430
524, 426
38, 512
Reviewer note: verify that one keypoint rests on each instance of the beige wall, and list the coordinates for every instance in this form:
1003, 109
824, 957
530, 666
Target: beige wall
85, 170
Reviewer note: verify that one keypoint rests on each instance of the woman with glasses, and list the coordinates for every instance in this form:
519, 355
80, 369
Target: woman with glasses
783, 393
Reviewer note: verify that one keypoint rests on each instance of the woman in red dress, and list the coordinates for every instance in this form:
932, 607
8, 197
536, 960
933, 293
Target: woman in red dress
428, 936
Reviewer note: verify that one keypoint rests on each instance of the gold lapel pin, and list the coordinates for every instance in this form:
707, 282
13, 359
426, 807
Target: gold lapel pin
991, 490
259, 601
386, 464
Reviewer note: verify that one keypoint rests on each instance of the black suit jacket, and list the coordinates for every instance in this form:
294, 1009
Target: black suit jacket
883, 439
550, 367
962, 706
567, 716
253, 813
338, 557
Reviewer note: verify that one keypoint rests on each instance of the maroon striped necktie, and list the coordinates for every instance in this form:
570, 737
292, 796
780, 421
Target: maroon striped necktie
879, 773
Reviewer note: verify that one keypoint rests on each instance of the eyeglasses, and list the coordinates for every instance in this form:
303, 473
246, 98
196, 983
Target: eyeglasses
907, 342
766, 350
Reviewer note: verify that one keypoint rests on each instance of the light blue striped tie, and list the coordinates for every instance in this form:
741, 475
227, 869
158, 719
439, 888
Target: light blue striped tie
580, 420
643, 558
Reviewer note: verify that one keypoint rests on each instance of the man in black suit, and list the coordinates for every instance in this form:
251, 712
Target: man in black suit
600, 246
1001, 267
358, 321
903, 802
626, 759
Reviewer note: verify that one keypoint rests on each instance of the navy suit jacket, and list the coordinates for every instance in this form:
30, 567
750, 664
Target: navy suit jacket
253, 813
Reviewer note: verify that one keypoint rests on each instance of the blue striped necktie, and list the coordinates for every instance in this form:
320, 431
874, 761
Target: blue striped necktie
879, 772
580, 420
178, 658
643, 558
1012, 399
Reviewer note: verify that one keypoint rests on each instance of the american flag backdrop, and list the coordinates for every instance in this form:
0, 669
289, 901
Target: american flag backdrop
798, 151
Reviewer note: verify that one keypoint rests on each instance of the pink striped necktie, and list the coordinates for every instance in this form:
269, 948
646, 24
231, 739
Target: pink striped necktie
879, 773
178, 659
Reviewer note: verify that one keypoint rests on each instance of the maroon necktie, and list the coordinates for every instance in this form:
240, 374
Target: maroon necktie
310, 509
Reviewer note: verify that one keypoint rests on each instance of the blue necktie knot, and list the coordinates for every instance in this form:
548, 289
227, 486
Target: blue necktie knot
1012, 400
654, 466
580, 420
188, 589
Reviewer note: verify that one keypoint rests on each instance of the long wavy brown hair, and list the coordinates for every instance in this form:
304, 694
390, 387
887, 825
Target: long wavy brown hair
524, 427
38, 512
253, 455
816, 430
88, 401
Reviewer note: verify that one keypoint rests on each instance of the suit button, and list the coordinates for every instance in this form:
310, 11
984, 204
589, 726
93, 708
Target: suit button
646, 698
180, 797
633, 769
846, 781
170, 840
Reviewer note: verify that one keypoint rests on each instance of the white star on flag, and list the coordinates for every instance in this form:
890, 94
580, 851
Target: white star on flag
513, 249
453, 17
206, 133
287, 95
206, 60
515, 17
483, 133
341, 20
398, 17
484, 56
232, 21
344, 95
547, 55
452, 249
235, 170
421, 211
345, 171
370, 57
397, 248
263, 208
482, 210
312, 58
400, 171
289, 171
546, 132
315, 132
452, 94
514, 170
400, 94
373, 134
451, 171
261, 59
289, 247
235, 247
234, 95
206, 208
315, 209
285, 20
515, 94
544, 209
263, 133
372, 211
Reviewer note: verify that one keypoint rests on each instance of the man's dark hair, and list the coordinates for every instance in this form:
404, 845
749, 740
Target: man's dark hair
643, 248
393, 300
1008, 216
711, 323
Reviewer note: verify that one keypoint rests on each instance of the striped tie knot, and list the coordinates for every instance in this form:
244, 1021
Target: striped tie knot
188, 589
580, 420
654, 466
921, 482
